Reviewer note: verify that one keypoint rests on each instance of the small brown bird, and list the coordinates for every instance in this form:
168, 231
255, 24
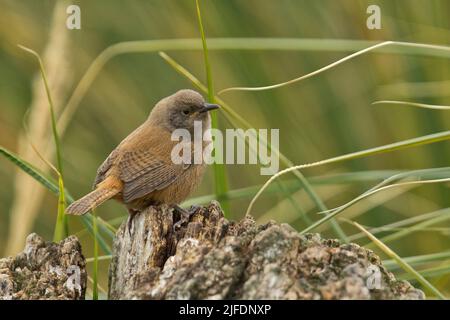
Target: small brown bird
140, 172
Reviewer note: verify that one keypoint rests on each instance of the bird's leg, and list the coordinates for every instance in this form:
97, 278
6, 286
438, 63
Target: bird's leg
193, 209
132, 213
184, 215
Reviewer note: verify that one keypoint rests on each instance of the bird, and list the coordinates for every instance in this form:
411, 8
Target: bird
140, 171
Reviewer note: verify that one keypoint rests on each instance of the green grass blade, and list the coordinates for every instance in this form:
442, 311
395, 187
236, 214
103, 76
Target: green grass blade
61, 226
402, 263
220, 177
209, 79
30, 170
51, 106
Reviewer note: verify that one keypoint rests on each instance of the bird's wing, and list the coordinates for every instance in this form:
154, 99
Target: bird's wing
142, 173
104, 167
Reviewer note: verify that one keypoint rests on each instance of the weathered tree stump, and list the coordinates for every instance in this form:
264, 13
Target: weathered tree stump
213, 258
44, 270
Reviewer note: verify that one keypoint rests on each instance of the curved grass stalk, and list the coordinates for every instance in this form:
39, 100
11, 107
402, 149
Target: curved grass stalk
336, 63
413, 104
61, 227
50, 100
441, 136
401, 262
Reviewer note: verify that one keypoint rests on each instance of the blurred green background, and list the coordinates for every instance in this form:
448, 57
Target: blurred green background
319, 118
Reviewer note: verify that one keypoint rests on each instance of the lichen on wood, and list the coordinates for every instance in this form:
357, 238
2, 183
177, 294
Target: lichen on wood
213, 258
44, 270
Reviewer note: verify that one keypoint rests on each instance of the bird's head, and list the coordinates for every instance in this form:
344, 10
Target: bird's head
181, 110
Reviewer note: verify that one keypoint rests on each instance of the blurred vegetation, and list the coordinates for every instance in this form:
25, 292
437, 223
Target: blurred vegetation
319, 118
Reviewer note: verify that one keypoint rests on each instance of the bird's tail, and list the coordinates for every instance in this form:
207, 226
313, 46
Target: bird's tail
91, 201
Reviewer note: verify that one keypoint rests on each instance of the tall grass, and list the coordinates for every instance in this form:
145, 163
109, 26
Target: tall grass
220, 177
61, 226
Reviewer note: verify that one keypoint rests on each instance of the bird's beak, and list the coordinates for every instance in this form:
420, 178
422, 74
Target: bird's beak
209, 106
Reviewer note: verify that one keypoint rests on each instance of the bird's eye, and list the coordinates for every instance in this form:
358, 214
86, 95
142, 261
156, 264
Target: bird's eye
185, 112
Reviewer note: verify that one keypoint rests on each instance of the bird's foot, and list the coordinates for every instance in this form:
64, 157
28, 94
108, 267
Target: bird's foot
184, 215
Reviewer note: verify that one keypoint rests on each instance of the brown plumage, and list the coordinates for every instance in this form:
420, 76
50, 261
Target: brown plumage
140, 171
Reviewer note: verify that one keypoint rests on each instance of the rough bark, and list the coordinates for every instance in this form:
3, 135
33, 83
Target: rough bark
44, 270
213, 258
